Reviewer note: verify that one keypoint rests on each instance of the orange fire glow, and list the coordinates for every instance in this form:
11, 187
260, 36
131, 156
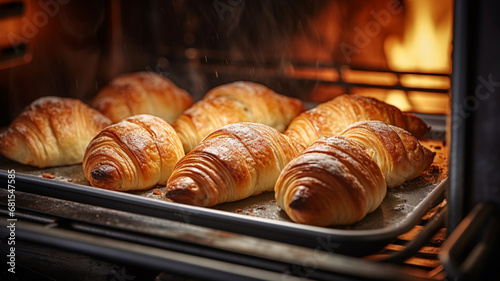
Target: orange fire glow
426, 48
426, 45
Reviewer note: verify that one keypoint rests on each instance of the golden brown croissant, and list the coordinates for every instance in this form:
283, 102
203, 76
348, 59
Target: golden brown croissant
333, 182
232, 163
52, 131
142, 93
338, 180
136, 153
397, 152
232, 103
330, 118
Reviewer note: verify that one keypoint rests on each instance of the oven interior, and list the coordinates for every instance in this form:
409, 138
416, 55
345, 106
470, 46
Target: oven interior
310, 50
394, 50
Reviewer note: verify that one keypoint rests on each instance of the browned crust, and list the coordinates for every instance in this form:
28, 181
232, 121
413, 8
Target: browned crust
142, 93
136, 153
231, 163
52, 131
332, 117
232, 103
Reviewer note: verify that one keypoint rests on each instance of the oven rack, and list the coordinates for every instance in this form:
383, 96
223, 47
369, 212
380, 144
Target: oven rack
297, 78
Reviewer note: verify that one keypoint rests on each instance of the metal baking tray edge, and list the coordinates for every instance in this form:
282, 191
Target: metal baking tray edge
343, 241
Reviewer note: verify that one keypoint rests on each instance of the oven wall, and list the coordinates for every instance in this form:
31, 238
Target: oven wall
75, 47
475, 116
65, 48
72, 48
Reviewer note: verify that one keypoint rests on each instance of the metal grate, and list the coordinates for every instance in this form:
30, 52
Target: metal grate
422, 255
347, 76
108, 246
425, 92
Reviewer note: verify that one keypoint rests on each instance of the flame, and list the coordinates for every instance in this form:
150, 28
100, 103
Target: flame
425, 47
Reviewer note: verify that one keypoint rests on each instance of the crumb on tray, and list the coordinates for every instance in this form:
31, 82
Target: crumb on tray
48, 176
157, 191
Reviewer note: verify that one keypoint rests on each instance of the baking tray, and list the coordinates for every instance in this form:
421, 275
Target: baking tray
258, 216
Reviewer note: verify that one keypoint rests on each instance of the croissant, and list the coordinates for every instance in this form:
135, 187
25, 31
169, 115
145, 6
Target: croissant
52, 131
136, 153
338, 180
333, 182
398, 153
232, 103
330, 118
232, 163
142, 93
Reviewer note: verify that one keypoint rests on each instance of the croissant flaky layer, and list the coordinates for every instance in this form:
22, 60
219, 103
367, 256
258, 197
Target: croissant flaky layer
338, 180
136, 153
398, 153
233, 103
234, 162
332, 117
334, 182
52, 131
142, 93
